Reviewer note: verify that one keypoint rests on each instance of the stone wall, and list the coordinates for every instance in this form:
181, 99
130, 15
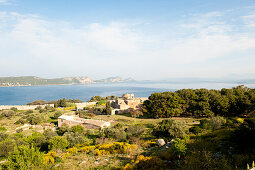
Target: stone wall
23, 107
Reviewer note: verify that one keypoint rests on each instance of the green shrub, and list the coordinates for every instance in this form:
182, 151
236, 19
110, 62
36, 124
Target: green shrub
78, 129
49, 133
179, 147
29, 111
8, 113
14, 109
169, 128
6, 147
3, 129
118, 134
212, 123
135, 130
195, 129
58, 142
76, 139
63, 129
25, 157
3, 136
57, 114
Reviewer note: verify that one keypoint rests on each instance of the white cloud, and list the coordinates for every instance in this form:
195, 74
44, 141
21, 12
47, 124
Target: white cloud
31, 45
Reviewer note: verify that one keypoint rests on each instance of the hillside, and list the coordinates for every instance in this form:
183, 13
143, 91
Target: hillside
35, 81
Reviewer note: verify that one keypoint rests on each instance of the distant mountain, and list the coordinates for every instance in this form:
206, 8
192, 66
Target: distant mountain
113, 80
35, 81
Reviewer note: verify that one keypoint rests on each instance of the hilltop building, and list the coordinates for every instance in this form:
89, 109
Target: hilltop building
126, 103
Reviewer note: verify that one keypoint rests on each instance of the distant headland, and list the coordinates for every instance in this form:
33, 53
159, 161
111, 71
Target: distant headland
37, 81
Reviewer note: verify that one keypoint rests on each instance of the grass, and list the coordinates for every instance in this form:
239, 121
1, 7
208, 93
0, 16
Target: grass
126, 120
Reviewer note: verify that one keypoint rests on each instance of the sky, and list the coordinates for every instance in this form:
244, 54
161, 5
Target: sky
144, 40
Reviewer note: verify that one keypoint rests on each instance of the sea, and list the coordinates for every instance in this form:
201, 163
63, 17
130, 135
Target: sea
21, 95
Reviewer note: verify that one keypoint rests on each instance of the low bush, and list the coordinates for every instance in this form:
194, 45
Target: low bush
169, 128
111, 148
78, 129
146, 163
195, 129
58, 142
8, 113
72, 150
57, 114
25, 157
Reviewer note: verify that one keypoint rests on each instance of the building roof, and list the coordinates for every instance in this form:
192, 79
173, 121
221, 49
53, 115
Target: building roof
95, 122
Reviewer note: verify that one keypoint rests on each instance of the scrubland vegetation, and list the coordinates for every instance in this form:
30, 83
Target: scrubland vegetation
202, 129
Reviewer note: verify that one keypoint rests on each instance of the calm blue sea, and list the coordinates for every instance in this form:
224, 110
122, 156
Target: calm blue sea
24, 95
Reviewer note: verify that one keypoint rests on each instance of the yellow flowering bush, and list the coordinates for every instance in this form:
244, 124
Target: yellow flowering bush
87, 149
49, 158
70, 108
149, 143
65, 155
142, 162
111, 148
72, 150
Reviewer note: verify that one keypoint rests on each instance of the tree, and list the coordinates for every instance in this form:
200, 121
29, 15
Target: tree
163, 105
108, 108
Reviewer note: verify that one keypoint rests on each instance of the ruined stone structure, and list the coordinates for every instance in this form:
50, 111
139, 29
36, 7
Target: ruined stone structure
72, 120
127, 103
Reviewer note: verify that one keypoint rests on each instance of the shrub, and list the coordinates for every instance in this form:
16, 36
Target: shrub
57, 114
21, 121
50, 157
142, 162
75, 139
216, 122
72, 150
111, 148
195, 129
8, 113
179, 148
116, 133
29, 111
38, 108
35, 119
38, 140
63, 129
49, 133
3, 129
14, 109
3, 136
212, 123
25, 157
78, 129
169, 128
58, 142
6, 147
135, 130
87, 149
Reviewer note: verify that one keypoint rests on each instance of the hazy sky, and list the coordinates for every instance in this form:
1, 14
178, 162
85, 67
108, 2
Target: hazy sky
142, 39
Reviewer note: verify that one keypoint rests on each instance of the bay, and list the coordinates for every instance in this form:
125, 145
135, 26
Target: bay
24, 94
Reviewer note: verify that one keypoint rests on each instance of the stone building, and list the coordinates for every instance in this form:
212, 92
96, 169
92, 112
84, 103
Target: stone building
72, 120
127, 103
